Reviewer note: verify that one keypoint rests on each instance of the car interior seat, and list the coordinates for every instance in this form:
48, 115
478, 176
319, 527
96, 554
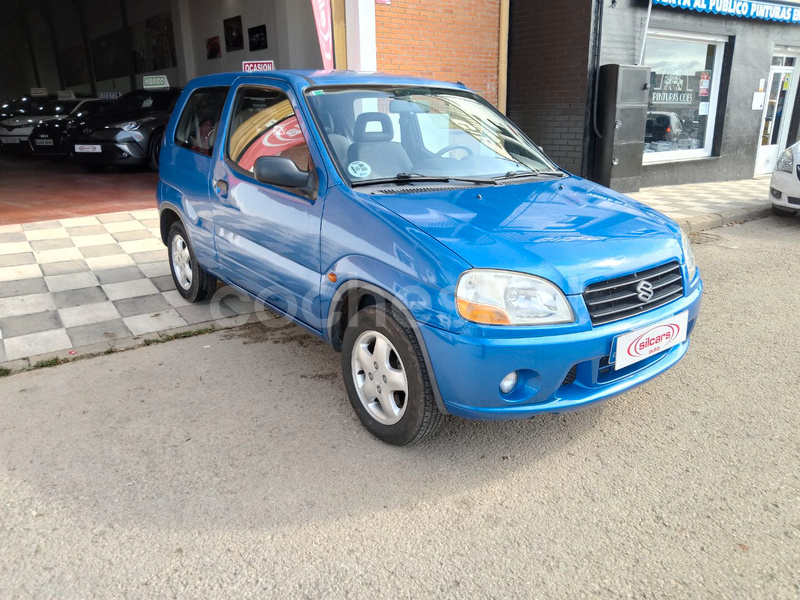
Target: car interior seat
384, 157
339, 143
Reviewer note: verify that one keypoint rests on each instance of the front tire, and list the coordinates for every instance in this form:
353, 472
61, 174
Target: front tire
191, 281
386, 377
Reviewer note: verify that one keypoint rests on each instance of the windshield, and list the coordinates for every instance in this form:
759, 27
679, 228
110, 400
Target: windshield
58, 107
379, 133
143, 100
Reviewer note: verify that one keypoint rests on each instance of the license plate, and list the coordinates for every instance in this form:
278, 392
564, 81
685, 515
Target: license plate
9, 140
43, 142
637, 345
87, 148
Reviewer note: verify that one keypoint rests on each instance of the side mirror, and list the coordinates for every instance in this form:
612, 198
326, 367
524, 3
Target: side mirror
282, 172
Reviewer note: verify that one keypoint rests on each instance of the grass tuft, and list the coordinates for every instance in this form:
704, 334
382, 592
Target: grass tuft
50, 362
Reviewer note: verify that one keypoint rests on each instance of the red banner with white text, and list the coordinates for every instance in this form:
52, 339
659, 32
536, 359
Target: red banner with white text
322, 16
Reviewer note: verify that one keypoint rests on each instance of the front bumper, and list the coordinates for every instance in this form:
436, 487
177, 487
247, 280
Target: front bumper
784, 191
14, 140
116, 148
468, 370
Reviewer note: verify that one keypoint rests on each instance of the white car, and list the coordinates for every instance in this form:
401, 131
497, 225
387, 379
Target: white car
14, 132
784, 189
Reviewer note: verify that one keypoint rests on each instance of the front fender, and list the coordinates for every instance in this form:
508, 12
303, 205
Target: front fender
423, 302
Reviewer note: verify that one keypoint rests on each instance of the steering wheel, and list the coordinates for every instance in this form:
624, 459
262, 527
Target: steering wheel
447, 149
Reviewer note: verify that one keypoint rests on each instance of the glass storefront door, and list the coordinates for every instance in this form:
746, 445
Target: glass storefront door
781, 89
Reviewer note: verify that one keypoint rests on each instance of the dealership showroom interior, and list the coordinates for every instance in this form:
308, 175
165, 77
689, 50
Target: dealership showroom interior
539, 257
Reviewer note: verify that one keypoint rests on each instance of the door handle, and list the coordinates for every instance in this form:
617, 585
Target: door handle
221, 187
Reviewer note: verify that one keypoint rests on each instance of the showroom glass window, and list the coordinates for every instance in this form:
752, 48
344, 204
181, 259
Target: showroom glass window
684, 91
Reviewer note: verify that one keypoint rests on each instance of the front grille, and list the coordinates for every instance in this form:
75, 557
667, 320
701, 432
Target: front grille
617, 299
793, 200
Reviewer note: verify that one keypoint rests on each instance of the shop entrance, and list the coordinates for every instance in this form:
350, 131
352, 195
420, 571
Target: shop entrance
781, 88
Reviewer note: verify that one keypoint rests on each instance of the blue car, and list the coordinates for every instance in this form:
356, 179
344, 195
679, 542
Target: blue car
419, 232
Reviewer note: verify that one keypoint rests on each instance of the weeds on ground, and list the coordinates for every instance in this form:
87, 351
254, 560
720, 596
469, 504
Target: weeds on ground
4, 372
50, 362
178, 336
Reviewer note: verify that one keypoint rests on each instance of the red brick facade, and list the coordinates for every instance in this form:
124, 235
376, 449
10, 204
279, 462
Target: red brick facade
452, 40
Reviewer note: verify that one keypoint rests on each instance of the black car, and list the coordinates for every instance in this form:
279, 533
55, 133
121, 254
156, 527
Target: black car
23, 105
129, 132
54, 138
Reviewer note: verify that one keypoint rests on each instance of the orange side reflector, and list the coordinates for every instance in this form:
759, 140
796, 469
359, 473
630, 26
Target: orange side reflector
482, 313
332, 277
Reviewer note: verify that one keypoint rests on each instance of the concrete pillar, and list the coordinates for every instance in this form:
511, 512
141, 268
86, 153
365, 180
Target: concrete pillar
362, 50
182, 24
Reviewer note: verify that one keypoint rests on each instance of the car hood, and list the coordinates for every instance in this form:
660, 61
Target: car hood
107, 119
569, 231
31, 121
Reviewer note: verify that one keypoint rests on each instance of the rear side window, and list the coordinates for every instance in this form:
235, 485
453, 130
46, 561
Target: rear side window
199, 122
263, 123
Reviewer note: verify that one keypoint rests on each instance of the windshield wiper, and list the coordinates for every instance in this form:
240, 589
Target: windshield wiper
531, 173
402, 178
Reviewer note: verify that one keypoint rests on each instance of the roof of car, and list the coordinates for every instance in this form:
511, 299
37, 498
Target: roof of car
304, 78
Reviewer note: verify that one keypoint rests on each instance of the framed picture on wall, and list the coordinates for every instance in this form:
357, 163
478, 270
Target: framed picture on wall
234, 38
258, 37
213, 49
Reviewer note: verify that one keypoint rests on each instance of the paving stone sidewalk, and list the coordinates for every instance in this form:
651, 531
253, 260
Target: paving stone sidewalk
88, 284
700, 206
94, 282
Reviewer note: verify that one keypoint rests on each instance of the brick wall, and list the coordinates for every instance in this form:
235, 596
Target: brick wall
549, 44
451, 40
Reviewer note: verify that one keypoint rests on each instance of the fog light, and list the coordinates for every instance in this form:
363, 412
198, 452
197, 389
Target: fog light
775, 193
509, 382
124, 155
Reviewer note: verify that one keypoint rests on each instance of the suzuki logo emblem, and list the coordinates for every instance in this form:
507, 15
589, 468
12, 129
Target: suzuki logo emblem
644, 291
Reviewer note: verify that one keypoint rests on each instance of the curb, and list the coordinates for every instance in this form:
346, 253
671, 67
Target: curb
120, 345
728, 217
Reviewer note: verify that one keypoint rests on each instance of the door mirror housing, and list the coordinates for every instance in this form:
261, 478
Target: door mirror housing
283, 172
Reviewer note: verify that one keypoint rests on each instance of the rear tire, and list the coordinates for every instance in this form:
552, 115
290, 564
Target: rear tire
386, 377
780, 212
191, 281
155, 152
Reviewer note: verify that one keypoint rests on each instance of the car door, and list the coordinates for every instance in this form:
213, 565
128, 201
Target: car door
186, 167
267, 237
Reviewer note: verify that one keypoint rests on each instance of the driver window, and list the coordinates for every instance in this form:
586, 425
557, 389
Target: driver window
263, 123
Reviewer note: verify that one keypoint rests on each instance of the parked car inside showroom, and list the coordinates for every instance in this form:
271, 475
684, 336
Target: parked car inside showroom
784, 187
23, 105
419, 232
129, 132
15, 131
54, 137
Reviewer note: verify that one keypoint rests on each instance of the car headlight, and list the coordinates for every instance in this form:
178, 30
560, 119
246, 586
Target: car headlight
494, 297
688, 255
127, 125
785, 162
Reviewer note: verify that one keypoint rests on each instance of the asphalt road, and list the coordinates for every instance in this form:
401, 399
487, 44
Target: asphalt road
231, 465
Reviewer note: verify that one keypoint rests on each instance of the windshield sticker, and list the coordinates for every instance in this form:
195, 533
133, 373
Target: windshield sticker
359, 169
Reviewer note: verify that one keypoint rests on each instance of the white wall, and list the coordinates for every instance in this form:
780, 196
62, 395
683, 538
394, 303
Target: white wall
291, 37
291, 34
